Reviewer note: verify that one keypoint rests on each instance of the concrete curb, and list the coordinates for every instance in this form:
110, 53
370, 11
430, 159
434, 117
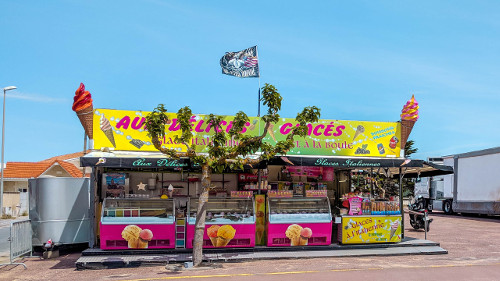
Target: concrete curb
102, 261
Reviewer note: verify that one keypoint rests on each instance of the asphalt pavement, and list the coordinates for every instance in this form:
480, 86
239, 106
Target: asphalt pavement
472, 244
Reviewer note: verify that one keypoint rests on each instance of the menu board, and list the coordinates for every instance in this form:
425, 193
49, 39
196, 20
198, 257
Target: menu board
355, 206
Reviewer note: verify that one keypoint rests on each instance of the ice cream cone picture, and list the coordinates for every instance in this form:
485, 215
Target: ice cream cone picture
409, 115
212, 234
252, 126
225, 234
107, 129
394, 228
145, 236
259, 233
293, 233
222, 242
82, 105
305, 234
271, 132
136, 237
359, 130
131, 234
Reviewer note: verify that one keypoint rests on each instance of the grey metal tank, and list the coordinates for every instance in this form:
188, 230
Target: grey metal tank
59, 210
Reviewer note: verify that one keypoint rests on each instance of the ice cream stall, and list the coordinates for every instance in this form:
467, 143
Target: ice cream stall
129, 223
369, 221
129, 176
298, 221
230, 222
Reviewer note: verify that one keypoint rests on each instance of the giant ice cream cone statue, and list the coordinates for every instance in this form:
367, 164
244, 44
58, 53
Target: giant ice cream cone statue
225, 234
409, 115
82, 105
107, 129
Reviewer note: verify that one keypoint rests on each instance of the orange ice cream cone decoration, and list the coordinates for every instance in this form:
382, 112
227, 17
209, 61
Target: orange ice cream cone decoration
409, 115
212, 234
82, 105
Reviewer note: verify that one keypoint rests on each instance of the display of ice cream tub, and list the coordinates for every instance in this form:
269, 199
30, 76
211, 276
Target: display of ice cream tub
128, 223
299, 222
229, 222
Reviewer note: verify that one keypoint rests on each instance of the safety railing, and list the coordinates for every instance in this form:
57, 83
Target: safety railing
20, 241
426, 219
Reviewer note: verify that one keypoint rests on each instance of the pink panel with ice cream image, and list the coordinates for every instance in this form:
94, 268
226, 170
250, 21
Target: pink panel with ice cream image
300, 234
243, 236
140, 236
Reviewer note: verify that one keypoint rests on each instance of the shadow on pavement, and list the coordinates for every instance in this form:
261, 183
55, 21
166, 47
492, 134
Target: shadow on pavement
473, 217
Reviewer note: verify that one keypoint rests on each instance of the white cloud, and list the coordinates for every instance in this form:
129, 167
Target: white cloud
36, 98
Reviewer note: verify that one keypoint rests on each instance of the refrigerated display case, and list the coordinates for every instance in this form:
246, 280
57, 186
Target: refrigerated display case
137, 223
230, 222
299, 221
370, 221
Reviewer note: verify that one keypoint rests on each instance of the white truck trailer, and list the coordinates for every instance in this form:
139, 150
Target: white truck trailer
474, 188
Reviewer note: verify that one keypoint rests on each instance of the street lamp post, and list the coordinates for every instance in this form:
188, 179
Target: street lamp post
3, 138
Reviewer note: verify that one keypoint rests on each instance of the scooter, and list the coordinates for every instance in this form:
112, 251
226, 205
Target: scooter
417, 221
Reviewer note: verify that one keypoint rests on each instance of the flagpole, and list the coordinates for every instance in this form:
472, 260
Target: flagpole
258, 101
258, 64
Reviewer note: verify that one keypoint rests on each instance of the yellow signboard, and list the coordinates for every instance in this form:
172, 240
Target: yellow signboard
125, 130
371, 229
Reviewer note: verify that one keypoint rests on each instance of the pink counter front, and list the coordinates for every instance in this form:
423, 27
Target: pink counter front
137, 236
299, 234
244, 236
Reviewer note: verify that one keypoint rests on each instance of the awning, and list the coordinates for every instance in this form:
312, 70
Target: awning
363, 163
143, 160
428, 170
132, 160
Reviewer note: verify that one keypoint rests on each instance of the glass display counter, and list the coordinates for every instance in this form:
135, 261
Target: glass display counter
369, 221
137, 223
366, 229
299, 221
229, 222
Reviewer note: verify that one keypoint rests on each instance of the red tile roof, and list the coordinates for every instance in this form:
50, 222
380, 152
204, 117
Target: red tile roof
28, 170
67, 156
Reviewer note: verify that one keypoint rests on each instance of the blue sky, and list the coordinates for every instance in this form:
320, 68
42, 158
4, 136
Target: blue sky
357, 60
